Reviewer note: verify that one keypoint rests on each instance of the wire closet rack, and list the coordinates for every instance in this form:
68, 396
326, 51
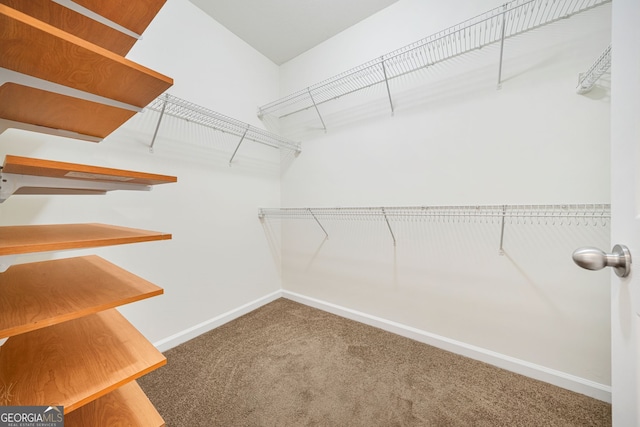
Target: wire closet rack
588, 79
176, 107
570, 214
496, 25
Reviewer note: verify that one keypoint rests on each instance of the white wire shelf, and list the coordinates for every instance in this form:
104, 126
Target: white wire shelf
570, 214
494, 26
588, 79
176, 107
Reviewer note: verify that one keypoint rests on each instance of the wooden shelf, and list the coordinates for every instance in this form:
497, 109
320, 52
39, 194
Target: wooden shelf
41, 294
75, 362
35, 48
22, 239
38, 107
75, 23
25, 175
134, 15
54, 169
126, 406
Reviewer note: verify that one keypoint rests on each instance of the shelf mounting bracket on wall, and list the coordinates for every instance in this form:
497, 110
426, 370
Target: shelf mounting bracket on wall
389, 226
504, 213
7, 261
238, 146
155, 133
588, 79
316, 218
21, 184
504, 26
316, 107
386, 81
12, 124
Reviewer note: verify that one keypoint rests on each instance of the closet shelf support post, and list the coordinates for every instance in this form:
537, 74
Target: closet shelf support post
384, 213
155, 133
239, 143
317, 111
504, 213
386, 81
504, 27
314, 217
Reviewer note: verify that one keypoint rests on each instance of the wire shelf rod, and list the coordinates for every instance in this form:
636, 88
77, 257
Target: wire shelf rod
573, 214
176, 107
518, 212
512, 19
588, 79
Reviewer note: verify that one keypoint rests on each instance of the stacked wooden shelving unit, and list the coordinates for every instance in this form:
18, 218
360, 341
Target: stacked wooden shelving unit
55, 81
63, 72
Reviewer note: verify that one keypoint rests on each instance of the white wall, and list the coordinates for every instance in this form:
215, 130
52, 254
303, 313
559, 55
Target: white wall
218, 259
456, 140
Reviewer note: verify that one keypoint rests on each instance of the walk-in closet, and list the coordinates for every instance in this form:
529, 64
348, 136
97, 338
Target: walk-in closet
390, 212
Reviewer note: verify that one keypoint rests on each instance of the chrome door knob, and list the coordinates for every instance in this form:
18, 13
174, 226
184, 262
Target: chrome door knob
595, 259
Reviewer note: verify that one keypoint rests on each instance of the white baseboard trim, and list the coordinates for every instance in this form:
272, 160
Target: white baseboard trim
552, 376
208, 325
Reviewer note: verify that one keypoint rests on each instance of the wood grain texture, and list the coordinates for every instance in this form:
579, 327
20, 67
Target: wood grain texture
50, 168
126, 406
38, 107
74, 23
22, 239
134, 15
32, 47
41, 294
75, 362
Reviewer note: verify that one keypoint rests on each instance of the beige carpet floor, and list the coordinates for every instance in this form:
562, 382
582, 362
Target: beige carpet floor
287, 364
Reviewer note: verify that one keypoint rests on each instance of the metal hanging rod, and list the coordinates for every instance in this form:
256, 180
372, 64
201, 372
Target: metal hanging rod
173, 106
570, 214
588, 79
596, 213
494, 26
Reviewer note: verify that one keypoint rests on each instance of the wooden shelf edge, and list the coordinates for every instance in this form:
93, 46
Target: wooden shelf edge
42, 294
59, 114
22, 239
55, 169
125, 406
75, 362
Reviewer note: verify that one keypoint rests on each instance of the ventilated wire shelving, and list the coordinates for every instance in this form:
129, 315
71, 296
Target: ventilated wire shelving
176, 107
570, 214
592, 75
494, 26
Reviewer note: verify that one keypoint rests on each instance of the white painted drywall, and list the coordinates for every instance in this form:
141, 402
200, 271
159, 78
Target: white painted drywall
456, 140
219, 258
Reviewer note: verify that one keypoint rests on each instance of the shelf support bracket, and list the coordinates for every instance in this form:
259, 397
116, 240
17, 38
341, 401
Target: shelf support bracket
7, 261
504, 213
386, 82
238, 146
155, 133
384, 213
20, 184
504, 27
314, 217
316, 107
